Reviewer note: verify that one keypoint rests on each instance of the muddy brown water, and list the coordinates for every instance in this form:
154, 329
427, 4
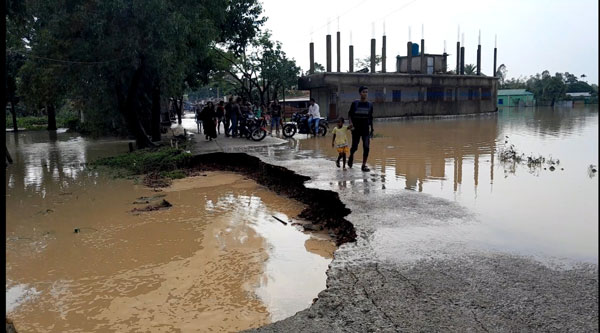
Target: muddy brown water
532, 211
215, 261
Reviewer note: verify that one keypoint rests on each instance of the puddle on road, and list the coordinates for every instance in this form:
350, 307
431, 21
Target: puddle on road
216, 260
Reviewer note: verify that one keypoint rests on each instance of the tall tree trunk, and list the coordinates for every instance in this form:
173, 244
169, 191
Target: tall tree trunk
14, 116
127, 106
155, 126
51, 117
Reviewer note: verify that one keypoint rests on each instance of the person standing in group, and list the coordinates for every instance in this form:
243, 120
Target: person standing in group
340, 141
209, 121
235, 116
198, 111
361, 119
314, 116
228, 116
220, 113
275, 116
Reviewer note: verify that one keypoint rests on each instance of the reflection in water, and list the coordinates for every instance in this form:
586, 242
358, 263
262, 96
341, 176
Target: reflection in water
216, 260
525, 210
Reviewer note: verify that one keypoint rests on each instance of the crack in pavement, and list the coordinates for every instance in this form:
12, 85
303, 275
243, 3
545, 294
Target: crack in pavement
477, 320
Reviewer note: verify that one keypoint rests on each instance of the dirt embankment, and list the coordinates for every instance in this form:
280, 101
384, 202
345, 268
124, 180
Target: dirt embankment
324, 208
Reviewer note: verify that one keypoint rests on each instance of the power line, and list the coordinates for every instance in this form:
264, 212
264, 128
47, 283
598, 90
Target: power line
360, 3
397, 9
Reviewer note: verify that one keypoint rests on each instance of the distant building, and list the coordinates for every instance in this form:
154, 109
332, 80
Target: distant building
421, 85
515, 97
580, 98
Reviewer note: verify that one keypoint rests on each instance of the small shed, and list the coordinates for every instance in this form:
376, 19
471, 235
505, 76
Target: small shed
515, 97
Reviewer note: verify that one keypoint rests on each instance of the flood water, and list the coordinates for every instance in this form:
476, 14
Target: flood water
530, 211
215, 261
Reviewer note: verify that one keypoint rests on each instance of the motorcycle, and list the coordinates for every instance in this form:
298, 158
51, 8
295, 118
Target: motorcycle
252, 127
299, 123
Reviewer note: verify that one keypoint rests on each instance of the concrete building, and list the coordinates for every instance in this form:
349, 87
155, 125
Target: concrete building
420, 86
515, 98
400, 94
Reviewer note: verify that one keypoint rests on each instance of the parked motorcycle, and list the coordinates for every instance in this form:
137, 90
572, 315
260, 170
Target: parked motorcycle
299, 124
252, 127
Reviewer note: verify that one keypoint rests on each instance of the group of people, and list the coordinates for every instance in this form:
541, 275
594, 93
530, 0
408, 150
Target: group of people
232, 114
360, 127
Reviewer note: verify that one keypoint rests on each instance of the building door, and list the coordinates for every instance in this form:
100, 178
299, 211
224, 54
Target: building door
429, 65
332, 112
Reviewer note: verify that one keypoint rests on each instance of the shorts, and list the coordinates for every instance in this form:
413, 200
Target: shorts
343, 150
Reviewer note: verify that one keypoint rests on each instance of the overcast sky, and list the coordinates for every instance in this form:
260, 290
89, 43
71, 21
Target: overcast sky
533, 36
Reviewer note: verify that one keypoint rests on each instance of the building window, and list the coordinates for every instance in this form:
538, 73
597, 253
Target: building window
500, 101
396, 95
486, 94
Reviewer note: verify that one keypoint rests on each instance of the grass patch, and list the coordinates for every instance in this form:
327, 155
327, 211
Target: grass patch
175, 174
33, 123
165, 160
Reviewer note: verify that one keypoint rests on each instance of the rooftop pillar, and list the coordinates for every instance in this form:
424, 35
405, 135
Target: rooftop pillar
328, 47
383, 57
312, 58
423, 64
478, 59
351, 58
409, 57
457, 57
373, 55
339, 53
462, 60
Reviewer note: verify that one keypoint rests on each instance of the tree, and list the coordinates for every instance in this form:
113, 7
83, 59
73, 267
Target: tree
366, 62
501, 73
124, 55
470, 69
319, 68
547, 88
263, 69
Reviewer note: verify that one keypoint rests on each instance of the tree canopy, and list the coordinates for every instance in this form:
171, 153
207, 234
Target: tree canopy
126, 55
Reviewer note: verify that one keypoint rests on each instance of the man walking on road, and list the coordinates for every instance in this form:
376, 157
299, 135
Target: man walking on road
361, 118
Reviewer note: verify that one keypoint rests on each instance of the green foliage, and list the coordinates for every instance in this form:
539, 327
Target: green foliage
114, 54
319, 68
366, 62
148, 160
262, 70
28, 123
175, 174
470, 69
63, 120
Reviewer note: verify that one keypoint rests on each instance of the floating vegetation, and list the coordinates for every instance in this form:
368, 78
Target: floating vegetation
592, 170
510, 157
510, 154
163, 204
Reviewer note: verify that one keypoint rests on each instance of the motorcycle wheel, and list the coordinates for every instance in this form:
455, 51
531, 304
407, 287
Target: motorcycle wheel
322, 130
248, 133
289, 130
258, 134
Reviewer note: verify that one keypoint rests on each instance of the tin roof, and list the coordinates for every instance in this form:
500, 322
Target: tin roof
579, 94
512, 92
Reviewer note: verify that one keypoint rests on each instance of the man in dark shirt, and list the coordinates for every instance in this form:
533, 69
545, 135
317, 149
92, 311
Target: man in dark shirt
361, 118
275, 116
